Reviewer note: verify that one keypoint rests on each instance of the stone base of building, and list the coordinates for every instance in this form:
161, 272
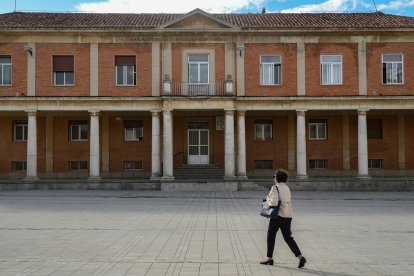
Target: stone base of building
309, 184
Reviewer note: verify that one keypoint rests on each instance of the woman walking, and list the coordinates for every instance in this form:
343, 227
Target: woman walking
284, 220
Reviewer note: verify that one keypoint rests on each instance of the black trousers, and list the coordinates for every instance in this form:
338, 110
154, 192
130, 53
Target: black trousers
284, 225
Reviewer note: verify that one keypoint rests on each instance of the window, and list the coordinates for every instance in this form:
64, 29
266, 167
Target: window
374, 128
63, 70
5, 70
18, 166
392, 69
318, 163
263, 129
20, 130
331, 70
125, 70
78, 130
133, 130
270, 70
78, 165
317, 130
375, 163
198, 67
263, 164
132, 165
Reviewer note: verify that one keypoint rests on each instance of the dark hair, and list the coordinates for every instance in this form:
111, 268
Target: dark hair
281, 175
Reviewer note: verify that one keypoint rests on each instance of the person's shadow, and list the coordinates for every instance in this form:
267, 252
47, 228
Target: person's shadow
314, 272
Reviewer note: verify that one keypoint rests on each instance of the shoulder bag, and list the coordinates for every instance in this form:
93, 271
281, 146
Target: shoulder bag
270, 211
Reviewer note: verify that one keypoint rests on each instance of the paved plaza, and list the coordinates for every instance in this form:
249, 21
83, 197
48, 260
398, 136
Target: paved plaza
160, 233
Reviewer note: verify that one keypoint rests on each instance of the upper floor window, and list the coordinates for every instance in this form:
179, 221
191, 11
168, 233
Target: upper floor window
20, 130
270, 70
133, 130
198, 68
78, 130
125, 70
392, 69
331, 69
63, 70
317, 130
263, 130
5, 70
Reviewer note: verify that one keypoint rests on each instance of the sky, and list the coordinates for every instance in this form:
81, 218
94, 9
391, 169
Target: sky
399, 7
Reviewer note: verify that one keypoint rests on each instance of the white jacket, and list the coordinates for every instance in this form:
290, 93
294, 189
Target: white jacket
285, 209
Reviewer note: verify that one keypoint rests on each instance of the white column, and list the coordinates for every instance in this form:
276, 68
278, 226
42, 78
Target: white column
229, 167
155, 150
31, 147
241, 162
301, 144
167, 145
94, 158
362, 144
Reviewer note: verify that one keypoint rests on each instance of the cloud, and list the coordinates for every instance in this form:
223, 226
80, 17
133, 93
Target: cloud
396, 5
162, 6
327, 6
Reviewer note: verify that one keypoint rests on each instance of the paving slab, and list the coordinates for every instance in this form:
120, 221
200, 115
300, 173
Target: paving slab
201, 233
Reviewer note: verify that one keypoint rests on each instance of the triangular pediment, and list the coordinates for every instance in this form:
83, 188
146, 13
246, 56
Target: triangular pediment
198, 20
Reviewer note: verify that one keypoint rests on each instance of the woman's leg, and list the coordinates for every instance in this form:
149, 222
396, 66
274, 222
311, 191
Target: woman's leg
271, 236
285, 224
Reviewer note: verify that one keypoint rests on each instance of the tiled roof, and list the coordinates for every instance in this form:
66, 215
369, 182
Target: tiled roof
269, 21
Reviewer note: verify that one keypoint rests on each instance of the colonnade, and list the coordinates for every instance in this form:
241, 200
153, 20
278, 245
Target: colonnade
230, 155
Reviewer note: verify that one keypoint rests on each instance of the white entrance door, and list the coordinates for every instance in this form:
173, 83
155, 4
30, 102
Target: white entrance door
198, 146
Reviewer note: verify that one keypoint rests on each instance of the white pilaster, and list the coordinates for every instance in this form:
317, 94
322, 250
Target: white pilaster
301, 144
167, 145
362, 144
362, 68
155, 68
229, 166
241, 162
155, 150
94, 158
301, 72
94, 69
240, 69
31, 70
31, 147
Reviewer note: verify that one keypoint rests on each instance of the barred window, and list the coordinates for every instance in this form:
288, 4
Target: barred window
318, 164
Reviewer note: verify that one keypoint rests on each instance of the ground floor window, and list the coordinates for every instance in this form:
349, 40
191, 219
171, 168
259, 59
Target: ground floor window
263, 164
131, 165
18, 166
78, 165
375, 163
318, 164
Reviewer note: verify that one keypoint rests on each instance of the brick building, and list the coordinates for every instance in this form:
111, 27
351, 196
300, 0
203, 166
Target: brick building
141, 96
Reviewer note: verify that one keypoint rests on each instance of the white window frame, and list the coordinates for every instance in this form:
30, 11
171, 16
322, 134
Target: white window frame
65, 81
394, 70
79, 131
135, 136
317, 125
329, 80
125, 69
2, 66
258, 127
24, 125
199, 63
271, 72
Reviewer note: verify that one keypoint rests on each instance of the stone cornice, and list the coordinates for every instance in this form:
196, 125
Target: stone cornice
213, 103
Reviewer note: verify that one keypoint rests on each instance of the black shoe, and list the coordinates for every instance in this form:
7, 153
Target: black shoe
302, 262
268, 262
